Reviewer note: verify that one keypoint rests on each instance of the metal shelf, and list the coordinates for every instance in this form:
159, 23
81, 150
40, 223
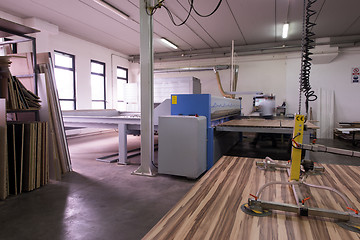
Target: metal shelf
9, 28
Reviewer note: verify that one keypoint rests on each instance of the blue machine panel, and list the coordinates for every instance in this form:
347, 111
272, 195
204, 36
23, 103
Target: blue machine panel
192, 104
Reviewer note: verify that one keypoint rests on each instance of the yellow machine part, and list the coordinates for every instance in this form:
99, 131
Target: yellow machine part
298, 135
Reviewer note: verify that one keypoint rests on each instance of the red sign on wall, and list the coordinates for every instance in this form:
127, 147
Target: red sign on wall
355, 75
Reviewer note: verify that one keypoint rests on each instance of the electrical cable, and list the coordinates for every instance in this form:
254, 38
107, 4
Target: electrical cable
192, 8
172, 18
207, 15
307, 45
152, 162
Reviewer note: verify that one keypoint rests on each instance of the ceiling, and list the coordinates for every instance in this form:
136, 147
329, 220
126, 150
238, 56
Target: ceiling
254, 25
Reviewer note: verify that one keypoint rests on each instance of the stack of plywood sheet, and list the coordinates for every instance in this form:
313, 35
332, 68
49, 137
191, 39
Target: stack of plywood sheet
28, 163
47, 89
30, 150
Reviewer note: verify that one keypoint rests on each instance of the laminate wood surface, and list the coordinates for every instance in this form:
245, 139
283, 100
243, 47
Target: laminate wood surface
268, 123
212, 208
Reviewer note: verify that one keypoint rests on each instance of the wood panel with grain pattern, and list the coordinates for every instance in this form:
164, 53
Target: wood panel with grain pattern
268, 123
212, 208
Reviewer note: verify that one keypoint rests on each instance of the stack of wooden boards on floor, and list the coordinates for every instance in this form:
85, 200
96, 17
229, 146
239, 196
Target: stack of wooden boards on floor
31, 152
28, 162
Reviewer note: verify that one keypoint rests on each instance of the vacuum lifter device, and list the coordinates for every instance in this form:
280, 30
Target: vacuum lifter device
298, 170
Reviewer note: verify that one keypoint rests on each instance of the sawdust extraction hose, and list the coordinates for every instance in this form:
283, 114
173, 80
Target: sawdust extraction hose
220, 86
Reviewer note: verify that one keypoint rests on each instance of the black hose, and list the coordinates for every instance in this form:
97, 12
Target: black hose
307, 45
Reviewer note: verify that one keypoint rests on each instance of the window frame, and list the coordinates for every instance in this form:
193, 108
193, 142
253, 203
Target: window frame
102, 75
74, 100
121, 78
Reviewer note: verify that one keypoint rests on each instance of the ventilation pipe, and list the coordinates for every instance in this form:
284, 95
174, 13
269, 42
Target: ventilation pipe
220, 86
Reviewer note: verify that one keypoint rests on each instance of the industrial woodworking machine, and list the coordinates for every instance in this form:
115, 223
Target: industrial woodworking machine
177, 130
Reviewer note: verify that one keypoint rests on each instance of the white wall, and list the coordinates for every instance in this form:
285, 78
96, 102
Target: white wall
335, 76
279, 74
265, 73
50, 39
10, 17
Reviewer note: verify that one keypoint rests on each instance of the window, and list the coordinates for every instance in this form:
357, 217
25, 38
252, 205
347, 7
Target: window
122, 79
65, 79
98, 93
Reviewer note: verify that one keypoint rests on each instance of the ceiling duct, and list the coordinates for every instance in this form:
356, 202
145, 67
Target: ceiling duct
192, 69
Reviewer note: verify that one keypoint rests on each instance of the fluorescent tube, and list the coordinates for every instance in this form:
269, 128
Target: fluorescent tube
112, 9
285, 30
168, 43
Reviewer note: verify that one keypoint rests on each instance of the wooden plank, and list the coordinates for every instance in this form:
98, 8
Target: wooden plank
12, 159
212, 208
56, 123
33, 143
3, 151
22, 65
44, 155
26, 163
38, 154
268, 123
19, 138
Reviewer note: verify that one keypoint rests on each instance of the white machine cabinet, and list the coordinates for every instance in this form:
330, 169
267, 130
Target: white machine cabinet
164, 87
182, 145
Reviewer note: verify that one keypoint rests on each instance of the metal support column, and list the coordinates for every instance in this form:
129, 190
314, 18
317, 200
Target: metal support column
147, 100
122, 144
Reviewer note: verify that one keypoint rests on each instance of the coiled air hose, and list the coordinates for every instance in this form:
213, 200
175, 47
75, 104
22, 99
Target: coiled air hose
307, 45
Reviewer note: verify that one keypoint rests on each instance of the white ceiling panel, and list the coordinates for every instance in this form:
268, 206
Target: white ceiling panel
248, 22
335, 18
221, 26
258, 27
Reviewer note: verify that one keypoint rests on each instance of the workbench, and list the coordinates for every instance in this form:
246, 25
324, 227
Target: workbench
212, 208
260, 125
351, 131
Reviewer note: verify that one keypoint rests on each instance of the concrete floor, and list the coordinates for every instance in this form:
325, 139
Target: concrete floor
104, 201
96, 201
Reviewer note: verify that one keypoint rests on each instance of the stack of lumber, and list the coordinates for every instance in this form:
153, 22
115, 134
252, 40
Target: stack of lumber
28, 163
31, 152
19, 97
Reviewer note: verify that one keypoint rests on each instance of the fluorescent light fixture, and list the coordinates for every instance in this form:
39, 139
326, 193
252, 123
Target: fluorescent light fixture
113, 9
168, 43
285, 30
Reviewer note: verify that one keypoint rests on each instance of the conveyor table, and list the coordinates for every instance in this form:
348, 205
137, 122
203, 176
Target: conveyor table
122, 123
